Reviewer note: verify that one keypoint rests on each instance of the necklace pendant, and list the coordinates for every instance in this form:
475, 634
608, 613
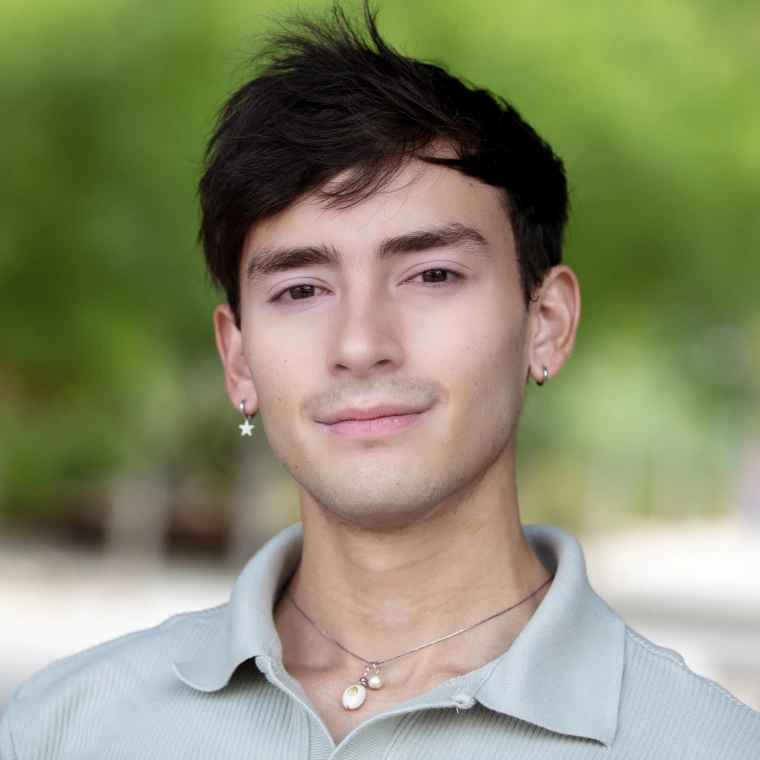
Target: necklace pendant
374, 681
354, 695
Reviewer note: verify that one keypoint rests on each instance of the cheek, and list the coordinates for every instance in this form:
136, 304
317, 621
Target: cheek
274, 376
274, 373
480, 340
480, 362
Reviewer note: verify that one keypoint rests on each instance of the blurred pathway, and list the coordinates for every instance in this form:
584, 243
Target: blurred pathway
54, 603
692, 587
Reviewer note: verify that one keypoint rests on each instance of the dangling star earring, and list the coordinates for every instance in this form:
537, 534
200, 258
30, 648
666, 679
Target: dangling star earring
246, 427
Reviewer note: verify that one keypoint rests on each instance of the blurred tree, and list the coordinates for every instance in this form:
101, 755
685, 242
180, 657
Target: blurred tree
107, 358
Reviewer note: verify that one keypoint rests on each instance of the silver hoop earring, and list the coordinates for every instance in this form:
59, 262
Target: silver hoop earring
246, 427
545, 378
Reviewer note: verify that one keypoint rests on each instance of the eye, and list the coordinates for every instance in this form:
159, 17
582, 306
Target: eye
301, 291
304, 291
438, 273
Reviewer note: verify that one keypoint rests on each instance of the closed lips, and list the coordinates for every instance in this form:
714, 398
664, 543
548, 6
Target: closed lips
384, 410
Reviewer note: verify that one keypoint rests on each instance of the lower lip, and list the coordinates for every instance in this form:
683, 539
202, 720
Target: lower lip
376, 427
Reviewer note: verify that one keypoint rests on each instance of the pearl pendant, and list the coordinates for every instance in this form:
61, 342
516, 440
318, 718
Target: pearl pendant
374, 682
354, 696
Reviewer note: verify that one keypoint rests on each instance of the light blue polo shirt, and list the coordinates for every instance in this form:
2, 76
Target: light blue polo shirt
577, 683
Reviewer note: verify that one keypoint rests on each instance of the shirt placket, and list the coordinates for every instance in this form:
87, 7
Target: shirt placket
371, 740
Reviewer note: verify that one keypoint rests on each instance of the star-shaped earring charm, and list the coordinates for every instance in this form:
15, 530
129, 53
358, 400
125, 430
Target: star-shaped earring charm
246, 427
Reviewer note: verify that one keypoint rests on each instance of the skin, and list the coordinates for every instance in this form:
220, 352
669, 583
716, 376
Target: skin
415, 535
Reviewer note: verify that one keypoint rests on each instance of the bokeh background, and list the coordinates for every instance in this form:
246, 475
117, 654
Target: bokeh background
126, 492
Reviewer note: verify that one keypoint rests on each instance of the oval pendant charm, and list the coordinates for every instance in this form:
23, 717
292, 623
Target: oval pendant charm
354, 696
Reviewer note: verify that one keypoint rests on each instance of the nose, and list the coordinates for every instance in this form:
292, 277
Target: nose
366, 332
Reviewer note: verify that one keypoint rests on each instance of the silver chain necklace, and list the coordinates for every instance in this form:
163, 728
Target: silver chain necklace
354, 695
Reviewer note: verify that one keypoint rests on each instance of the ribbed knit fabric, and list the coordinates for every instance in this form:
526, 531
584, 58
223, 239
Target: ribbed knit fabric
577, 683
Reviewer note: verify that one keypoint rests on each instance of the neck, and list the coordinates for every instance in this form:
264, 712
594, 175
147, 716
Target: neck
383, 593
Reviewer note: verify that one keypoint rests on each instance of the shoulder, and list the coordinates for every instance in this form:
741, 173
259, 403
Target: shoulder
97, 685
674, 712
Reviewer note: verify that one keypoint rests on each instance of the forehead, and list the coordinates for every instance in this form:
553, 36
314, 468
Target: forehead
420, 194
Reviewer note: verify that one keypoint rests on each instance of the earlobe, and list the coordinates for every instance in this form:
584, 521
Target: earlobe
543, 375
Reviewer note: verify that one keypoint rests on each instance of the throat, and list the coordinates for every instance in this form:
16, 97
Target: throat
345, 691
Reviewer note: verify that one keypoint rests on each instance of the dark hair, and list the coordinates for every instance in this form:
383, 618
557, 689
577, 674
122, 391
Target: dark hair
331, 96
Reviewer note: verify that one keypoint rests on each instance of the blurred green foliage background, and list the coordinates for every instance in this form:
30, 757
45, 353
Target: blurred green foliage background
108, 366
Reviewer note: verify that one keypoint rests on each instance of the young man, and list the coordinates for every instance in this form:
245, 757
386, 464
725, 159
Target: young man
389, 242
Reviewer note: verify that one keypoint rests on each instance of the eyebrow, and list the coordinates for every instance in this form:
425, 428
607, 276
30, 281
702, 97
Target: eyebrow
272, 259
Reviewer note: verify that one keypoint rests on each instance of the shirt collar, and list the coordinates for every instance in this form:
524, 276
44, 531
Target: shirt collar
563, 672
246, 627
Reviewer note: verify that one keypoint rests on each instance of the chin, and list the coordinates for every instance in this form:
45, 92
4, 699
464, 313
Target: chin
368, 504
378, 520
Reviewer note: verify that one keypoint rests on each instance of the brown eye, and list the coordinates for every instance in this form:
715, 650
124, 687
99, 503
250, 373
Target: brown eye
300, 290
297, 293
439, 277
440, 274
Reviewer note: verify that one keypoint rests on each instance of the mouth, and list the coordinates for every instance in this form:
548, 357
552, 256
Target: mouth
374, 427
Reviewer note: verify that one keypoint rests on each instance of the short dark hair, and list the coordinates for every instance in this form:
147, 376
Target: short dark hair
330, 95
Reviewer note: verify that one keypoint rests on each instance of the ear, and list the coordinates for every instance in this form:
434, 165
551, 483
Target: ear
554, 321
237, 376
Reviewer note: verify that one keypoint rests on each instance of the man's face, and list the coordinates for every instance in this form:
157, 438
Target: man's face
375, 329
